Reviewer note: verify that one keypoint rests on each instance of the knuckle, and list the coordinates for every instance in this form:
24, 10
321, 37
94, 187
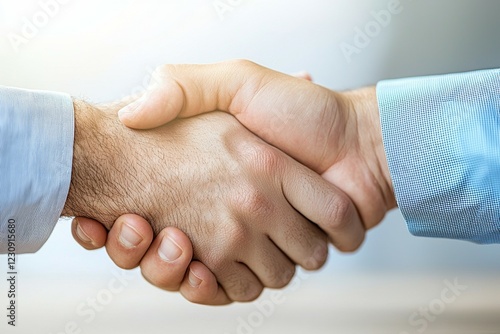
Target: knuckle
162, 71
276, 274
338, 212
351, 246
216, 263
244, 291
258, 157
169, 71
265, 159
240, 63
165, 70
281, 279
253, 203
235, 237
318, 257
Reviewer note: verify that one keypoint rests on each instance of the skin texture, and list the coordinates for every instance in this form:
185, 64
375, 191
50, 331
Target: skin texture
336, 134
249, 210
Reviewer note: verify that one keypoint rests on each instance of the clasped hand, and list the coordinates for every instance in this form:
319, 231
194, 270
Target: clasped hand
233, 213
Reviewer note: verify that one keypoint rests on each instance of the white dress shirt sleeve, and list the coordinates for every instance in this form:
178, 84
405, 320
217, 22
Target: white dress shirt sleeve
36, 152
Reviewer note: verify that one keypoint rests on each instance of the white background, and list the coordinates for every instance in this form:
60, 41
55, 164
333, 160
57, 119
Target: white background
104, 50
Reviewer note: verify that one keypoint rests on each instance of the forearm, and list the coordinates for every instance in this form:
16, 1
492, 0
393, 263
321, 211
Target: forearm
84, 148
99, 163
363, 104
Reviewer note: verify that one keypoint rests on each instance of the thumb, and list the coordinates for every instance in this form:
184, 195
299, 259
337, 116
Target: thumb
160, 104
189, 90
185, 90
294, 115
303, 75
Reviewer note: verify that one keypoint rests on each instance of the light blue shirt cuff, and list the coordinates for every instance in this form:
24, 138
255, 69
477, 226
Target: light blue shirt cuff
36, 150
442, 140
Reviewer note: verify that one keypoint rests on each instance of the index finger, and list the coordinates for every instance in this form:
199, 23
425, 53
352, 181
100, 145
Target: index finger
326, 205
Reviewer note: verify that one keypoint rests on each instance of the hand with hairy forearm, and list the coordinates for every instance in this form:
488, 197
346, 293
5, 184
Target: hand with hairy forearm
99, 167
246, 206
336, 134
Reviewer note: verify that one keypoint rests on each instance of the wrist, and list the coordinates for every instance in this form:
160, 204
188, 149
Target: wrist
89, 171
363, 103
83, 124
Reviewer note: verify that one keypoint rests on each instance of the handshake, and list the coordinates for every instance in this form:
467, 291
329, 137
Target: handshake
220, 205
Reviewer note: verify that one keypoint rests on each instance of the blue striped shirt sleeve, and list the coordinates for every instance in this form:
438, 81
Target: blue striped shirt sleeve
442, 141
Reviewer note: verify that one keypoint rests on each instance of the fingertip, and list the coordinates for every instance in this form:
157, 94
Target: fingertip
199, 274
90, 234
303, 75
144, 118
180, 240
167, 260
318, 258
139, 225
161, 104
200, 286
351, 247
125, 115
129, 240
130, 115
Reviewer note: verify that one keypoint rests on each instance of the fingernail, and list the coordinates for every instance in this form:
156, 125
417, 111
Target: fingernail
194, 280
129, 109
129, 237
132, 107
169, 251
82, 235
